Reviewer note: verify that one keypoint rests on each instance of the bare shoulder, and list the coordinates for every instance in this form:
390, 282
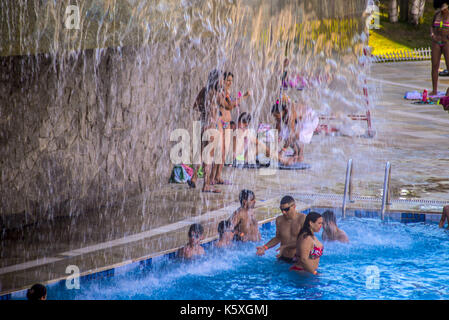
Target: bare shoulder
342, 236
182, 252
305, 242
301, 217
280, 220
237, 214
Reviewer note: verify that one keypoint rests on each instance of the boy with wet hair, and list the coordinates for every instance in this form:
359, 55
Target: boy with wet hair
288, 226
225, 233
37, 292
193, 247
243, 220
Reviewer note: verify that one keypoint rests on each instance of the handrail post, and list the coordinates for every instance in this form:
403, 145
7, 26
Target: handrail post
386, 190
348, 187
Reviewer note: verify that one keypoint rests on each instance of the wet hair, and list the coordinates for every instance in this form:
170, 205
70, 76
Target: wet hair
212, 80
287, 199
224, 226
329, 216
244, 118
195, 228
305, 230
245, 195
36, 292
278, 108
232, 123
226, 74
438, 3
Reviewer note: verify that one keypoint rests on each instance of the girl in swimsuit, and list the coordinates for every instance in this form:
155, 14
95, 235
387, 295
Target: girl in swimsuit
226, 105
439, 33
308, 248
211, 122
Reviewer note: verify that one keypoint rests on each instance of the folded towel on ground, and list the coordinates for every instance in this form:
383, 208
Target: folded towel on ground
415, 95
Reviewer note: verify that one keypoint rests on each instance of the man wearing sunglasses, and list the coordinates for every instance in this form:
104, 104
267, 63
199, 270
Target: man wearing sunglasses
287, 230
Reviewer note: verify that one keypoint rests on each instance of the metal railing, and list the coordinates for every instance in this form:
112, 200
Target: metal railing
348, 187
386, 190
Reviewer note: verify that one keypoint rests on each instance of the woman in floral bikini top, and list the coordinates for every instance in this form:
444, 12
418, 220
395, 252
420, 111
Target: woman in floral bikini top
308, 248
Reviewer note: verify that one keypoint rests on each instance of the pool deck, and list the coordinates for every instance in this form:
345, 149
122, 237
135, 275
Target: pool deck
413, 137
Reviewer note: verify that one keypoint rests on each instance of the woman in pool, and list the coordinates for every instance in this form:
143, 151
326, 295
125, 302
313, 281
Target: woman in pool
330, 230
308, 248
439, 33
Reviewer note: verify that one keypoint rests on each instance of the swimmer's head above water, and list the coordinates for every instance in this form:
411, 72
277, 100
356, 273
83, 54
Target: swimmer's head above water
312, 224
329, 218
225, 229
247, 199
195, 234
288, 207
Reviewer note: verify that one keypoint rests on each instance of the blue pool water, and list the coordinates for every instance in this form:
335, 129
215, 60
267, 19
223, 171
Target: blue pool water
412, 261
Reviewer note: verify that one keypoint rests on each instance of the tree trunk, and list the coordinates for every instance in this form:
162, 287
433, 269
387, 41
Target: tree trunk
416, 9
403, 10
393, 11
421, 8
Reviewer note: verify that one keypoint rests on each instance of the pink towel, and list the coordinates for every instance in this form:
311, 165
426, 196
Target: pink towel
444, 101
188, 170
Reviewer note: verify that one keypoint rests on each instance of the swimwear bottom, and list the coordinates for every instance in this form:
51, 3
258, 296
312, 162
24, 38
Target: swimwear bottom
296, 268
225, 124
440, 43
286, 259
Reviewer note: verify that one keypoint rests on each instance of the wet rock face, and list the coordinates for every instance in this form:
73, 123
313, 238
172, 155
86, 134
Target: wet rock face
79, 130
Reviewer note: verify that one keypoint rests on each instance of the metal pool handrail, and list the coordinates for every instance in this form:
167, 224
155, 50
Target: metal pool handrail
348, 187
386, 190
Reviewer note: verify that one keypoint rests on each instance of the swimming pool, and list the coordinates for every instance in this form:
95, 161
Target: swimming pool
389, 260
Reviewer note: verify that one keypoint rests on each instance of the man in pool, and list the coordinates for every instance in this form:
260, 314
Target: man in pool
444, 217
287, 230
330, 230
243, 220
193, 248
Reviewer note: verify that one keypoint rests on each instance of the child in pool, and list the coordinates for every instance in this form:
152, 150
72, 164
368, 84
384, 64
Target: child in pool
226, 234
193, 247
243, 220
